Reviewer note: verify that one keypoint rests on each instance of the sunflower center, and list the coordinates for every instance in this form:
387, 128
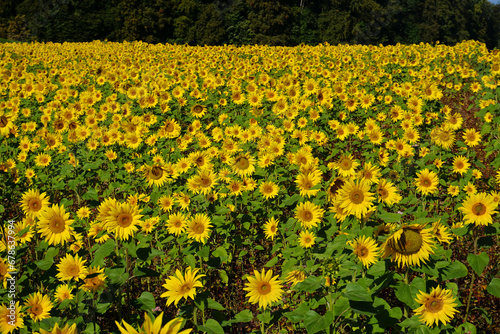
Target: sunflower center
264, 288
307, 216
242, 163
3, 121
409, 243
205, 182
479, 209
345, 164
177, 223
362, 251
156, 173
185, 288
198, 228
426, 182
460, 165
169, 127
124, 219
57, 224
36, 309
357, 197
34, 204
434, 305
73, 270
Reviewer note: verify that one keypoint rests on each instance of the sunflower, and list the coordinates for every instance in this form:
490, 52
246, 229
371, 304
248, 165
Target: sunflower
63, 292
409, 245
271, 228
198, 227
58, 330
295, 276
370, 173
443, 137
243, 164
307, 181
42, 160
182, 286
269, 189
71, 268
39, 306
441, 232
471, 137
438, 305
263, 288
33, 203
308, 214
355, 197
365, 249
427, 182
123, 220
176, 223
387, 192
478, 209
203, 182
96, 283
198, 110
346, 165
460, 164
155, 175
306, 239
55, 226
10, 320
334, 188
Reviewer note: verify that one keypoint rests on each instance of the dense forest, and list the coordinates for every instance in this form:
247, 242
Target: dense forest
270, 22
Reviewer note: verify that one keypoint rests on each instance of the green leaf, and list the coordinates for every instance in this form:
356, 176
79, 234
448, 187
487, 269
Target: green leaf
478, 262
104, 250
211, 326
272, 262
91, 194
243, 316
221, 253
315, 323
494, 287
212, 304
146, 254
389, 217
147, 300
456, 269
310, 284
355, 292
299, 313
190, 260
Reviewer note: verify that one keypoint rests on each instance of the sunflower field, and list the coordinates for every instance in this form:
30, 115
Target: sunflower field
313, 189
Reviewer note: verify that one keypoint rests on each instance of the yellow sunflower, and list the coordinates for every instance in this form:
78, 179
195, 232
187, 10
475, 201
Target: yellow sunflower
427, 182
176, 223
10, 320
295, 276
269, 189
243, 164
263, 288
182, 286
306, 239
346, 165
199, 228
438, 305
156, 175
355, 197
366, 249
55, 225
409, 245
63, 292
460, 164
478, 209
123, 220
271, 228
154, 327
471, 137
96, 283
58, 330
39, 306
308, 214
72, 268
387, 192
33, 203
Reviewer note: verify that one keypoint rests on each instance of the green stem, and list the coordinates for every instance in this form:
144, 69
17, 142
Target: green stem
473, 278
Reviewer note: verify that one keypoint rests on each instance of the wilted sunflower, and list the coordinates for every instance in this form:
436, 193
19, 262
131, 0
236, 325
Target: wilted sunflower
182, 286
409, 245
199, 228
427, 182
366, 249
355, 197
55, 225
308, 214
263, 288
39, 306
478, 209
33, 203
438, 305
295, 276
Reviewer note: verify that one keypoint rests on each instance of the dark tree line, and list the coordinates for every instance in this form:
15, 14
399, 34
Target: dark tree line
271, 22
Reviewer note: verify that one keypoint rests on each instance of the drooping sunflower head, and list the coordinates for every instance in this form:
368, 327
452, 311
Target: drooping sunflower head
409, 245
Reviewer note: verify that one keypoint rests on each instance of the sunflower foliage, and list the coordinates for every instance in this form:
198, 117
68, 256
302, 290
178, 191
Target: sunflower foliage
316, 189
